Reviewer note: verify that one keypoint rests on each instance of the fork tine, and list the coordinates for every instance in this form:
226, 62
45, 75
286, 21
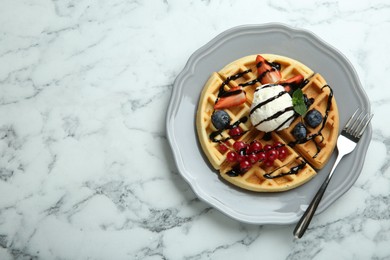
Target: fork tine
358, 127
365, 125
350, 120
354, 125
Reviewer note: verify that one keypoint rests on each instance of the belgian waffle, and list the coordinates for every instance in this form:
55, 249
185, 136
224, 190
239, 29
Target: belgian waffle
301, 158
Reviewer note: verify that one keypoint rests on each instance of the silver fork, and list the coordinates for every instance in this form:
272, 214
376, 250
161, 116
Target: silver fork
346, 143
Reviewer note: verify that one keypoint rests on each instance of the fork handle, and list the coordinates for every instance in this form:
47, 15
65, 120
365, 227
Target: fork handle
304, 222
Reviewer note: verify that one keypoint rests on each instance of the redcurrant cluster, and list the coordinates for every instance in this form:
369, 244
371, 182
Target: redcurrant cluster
236, 132
248, 154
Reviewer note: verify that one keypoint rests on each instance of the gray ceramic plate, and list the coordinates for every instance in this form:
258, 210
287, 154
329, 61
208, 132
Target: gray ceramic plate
250, 207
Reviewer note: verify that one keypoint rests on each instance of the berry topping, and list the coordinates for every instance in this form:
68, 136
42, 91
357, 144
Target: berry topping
245, 165
220, 119
247, 155
234, 97
292, 83
268, 163
272, 155
267, 147
267, 72
222, 148
261, 156
231, 156
239, 145
308, 101
235, 132
277, 145
253, 158
255, 147
299, 131
313, 118
282, 153
241, 157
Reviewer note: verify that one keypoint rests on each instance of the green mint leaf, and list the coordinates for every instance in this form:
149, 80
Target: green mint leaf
298, 94
299, 102
300, 109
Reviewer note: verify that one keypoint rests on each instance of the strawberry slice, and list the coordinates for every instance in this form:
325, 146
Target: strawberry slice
296, 80
292, 82
231, 98
266, 72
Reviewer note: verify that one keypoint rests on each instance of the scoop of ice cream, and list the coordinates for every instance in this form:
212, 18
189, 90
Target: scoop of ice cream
271, 108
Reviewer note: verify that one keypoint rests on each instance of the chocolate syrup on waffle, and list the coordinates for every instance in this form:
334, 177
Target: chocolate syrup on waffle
274, 66
293, 170
213, 135
236, 171
312, 137
223, 93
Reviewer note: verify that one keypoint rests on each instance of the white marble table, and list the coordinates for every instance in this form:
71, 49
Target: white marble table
86, 171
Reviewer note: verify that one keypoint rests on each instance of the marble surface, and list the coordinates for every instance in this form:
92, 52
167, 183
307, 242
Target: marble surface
86, 171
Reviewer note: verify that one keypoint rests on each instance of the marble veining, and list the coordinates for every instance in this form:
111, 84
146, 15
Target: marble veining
86, 171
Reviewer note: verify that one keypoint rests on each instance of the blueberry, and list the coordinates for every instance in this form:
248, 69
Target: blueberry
299, 131
308, 101
220, 119
313, 118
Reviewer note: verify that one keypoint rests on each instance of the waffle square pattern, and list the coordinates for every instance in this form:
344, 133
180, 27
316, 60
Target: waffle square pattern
254, 159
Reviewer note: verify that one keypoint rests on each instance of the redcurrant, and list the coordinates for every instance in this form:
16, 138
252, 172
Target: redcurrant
241, 157
255, 147
261, 156
245, 165
268, 163
277, 145
239, 145
253, 158
231, 156
272, 155
282, 153
222, 148
235, 132
267, 147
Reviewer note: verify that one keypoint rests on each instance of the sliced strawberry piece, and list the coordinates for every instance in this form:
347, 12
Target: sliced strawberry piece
266, 73
296, 80
234, 97
292, 83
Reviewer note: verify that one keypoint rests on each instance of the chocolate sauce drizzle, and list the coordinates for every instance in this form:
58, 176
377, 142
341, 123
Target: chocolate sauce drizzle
319, 133
267, 100
249, 83
223, 93
236, 171
295, 86
293, 170
289, 118
276, 115
213, 135
274, 66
